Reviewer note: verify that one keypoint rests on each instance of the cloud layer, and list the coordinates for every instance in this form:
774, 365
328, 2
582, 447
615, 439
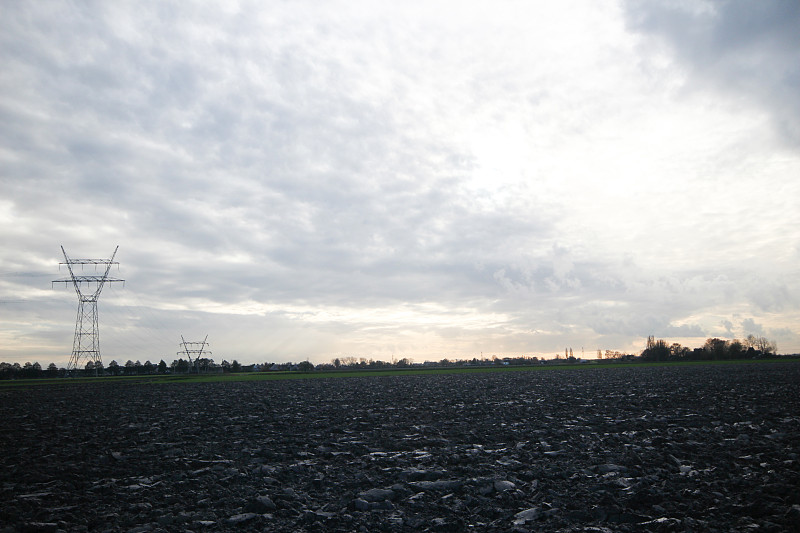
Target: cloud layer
422, 180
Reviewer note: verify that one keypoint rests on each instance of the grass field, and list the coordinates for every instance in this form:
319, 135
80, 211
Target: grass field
348, 373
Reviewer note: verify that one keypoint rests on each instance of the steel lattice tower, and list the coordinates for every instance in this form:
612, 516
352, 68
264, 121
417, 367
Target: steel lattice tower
86, 344
198, 352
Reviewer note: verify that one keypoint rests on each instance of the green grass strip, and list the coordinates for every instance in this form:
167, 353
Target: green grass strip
350, 373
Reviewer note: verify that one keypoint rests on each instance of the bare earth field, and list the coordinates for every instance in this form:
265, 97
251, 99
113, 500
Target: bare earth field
699, 448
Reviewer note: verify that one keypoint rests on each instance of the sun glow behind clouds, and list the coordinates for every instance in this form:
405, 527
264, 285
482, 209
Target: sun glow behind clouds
422, 316
500, 155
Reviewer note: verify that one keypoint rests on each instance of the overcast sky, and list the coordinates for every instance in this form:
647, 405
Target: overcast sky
305, 180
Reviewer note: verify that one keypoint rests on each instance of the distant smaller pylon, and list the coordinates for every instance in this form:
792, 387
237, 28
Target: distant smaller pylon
188, 350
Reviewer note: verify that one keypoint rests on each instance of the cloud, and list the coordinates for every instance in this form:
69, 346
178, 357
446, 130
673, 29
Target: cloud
770, 296
750, 49
785, 337
751, 327
300, 181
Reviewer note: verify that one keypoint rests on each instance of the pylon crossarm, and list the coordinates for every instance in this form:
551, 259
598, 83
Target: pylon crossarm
67, 261
88, 262
87, 279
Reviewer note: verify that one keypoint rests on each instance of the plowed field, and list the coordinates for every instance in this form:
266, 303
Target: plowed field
700, 448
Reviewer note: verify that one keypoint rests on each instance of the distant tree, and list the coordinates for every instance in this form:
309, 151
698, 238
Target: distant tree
305, 366
31, 370
678, 352
337, 362
204, 364
736, 349
656, 350
148, 367
236, 366
113, 368
52, 370
137, 366
769, 347
162, 367
750, 341
716, 348
762, 345
130, 367
180, 366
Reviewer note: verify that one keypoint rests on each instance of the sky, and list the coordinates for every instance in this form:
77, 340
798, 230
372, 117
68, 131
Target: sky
305, 181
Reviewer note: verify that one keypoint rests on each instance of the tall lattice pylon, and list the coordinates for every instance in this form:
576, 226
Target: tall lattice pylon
198, 352
86, 344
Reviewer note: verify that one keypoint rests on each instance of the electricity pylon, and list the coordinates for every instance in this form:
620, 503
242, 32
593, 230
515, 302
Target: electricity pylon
198, 352
86, 344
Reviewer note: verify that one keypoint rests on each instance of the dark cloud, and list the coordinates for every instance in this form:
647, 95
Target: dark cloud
751, 49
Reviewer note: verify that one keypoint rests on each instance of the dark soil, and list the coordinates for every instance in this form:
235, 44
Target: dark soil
701, 448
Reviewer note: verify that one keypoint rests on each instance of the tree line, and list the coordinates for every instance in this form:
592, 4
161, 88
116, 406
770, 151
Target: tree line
352, 362
129, 368
208, 366
715, 349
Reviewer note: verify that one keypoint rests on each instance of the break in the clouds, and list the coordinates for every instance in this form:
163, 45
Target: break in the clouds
426, 180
